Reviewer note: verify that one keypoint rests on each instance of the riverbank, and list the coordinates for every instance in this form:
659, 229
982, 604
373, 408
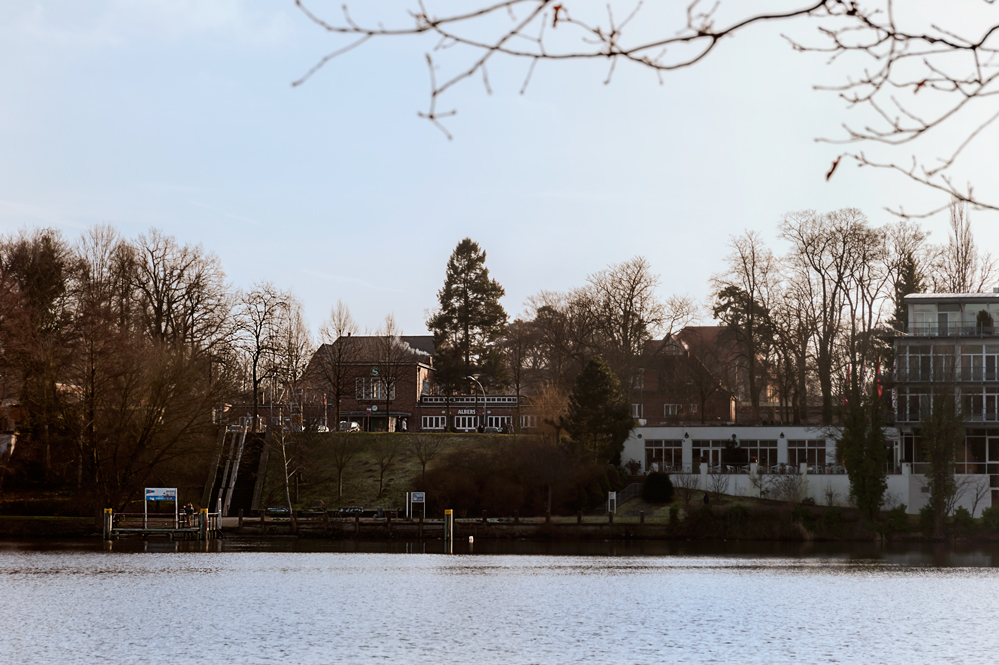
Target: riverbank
735, 522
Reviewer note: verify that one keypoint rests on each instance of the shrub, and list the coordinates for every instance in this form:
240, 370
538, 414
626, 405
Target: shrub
831, 517
799, 513
963, 520
896, 521
990, 519
658, 488
605, 483
614, 476
674, 515
808, 501
926, 521
737, 514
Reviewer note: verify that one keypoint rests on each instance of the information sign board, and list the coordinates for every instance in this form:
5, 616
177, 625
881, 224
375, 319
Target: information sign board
161, 494
419, 497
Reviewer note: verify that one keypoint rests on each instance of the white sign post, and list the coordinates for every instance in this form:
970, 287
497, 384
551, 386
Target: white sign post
160, 494
418, 497
612, 502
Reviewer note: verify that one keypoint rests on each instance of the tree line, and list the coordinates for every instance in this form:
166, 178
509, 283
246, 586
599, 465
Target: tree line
121, 353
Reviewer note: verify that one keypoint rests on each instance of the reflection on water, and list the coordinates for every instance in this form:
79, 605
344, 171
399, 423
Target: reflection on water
305, 601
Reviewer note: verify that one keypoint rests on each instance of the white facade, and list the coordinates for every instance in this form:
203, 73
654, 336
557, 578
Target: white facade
780, 452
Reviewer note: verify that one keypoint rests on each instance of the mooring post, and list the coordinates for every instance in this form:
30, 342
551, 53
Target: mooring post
483, 517
263, 518
240, 524
357, 524
516, 517
579, 517
548, 517
448, 526
641, 517
421, 526
108, 522
388, 524
610, 517
203, 524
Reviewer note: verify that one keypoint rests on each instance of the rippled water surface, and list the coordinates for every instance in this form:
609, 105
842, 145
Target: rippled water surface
267, 603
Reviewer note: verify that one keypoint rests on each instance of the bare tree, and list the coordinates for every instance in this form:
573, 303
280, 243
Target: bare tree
385, 451
262, 312
742, 302
686, 485
426, 448
961, 267
910, 71
343, 448
337, 355
718, 483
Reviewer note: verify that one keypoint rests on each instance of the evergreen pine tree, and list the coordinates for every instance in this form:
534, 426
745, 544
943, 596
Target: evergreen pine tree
599, 418
469, 318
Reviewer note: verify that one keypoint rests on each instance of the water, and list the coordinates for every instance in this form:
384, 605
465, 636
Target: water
314, 602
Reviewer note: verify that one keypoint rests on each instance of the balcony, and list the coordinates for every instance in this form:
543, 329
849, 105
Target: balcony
949, 330
946, 375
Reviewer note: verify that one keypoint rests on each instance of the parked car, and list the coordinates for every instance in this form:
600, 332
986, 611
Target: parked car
351, 426
322, 429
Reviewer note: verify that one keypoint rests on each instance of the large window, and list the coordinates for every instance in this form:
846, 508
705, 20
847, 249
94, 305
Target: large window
434, 422
499, 421
663, 455
636, 410
762, 452
372, 388
466, 422
806, 451
529, 421
671, 410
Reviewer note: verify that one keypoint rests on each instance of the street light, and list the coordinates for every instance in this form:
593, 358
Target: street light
475, 377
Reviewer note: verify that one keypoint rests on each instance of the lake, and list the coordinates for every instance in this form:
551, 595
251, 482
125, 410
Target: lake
278, 601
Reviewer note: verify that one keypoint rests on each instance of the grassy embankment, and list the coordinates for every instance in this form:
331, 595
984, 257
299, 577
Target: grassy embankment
360, 479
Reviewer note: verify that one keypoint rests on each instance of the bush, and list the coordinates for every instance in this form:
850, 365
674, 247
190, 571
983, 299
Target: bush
605, 483
674, 515
963, 520
808, 501
926, 521
614, 476
800, 513
990, 518
737, 514
831, 517
658, 488
896, 521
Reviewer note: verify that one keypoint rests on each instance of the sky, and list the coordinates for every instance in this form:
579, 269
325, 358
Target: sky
180, 115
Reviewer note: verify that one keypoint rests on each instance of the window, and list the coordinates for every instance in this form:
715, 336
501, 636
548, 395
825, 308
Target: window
466, 422
528, 421
434, 422
692, 408
498, 421
763, 452
671, 410
663, 455
806, 451
636, 410
370, 388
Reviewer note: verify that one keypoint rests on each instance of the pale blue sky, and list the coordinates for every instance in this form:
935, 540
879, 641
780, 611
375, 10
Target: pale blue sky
181, 115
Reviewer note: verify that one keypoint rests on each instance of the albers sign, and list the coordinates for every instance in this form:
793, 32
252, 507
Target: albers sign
466, 412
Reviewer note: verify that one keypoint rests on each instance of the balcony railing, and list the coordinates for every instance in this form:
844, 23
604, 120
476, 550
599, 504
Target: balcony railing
946, 375
470, 400
949, 330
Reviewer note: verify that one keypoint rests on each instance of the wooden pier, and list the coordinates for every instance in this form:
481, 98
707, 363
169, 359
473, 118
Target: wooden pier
203, 526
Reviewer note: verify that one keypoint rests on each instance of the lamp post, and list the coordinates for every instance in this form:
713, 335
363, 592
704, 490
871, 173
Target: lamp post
475, 377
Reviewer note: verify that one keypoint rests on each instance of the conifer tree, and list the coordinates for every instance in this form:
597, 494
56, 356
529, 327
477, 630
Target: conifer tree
599, 419
470, 318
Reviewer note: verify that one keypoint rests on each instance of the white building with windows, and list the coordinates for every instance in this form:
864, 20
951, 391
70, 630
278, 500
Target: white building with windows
748, 460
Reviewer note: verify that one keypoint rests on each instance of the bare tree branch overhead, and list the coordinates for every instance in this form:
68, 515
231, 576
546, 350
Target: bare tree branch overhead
907, 71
